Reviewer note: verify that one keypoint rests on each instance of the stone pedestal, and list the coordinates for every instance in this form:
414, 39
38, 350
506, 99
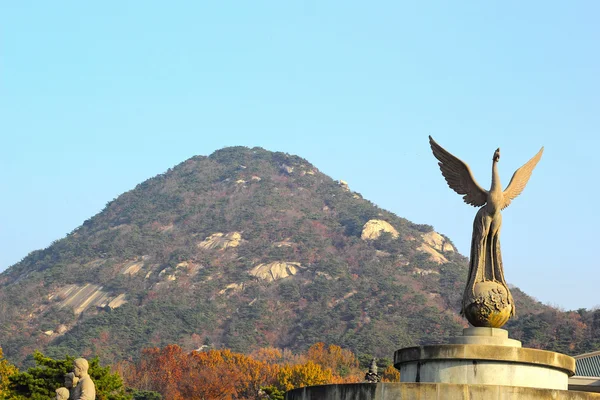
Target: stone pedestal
485, 356
432, 391
487, 336
482, 364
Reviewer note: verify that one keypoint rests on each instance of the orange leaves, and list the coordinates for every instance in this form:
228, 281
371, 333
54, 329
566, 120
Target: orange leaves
332, 357
243, 374
214, 374
164, 369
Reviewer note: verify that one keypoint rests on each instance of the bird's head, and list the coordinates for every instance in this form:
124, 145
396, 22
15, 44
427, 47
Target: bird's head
497, 155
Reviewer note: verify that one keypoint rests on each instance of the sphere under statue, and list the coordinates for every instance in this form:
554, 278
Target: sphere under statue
489, 306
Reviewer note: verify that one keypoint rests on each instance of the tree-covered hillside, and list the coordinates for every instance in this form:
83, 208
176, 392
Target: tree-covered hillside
244, 249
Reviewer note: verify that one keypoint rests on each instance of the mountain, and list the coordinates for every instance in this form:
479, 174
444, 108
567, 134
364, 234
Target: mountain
249, 248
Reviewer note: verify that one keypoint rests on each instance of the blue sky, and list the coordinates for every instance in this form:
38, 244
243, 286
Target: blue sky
97, 97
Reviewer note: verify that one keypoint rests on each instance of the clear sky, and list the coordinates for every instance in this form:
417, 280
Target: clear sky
96, 97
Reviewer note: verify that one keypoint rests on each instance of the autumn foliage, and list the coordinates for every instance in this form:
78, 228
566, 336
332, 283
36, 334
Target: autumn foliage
390, 374
6, 370
176, 374
299, 375
223, 374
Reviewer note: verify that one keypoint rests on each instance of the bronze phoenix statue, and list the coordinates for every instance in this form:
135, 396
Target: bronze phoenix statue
486, 300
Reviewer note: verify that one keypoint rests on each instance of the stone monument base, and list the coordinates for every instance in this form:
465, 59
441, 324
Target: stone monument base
431, 391
482, 364
485, 356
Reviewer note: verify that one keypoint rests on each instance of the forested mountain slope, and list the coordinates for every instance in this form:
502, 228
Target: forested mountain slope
249, 248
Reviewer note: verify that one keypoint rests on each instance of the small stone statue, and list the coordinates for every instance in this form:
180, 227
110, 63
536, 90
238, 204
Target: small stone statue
372, 376
85, 389
71, 383
62, 393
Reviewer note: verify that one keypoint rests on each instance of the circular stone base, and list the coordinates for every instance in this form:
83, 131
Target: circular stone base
485, 365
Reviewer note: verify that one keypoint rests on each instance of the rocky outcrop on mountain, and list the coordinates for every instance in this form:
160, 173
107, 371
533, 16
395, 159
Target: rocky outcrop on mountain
434, 255
275, 270
221, 241
435, 245
375, 227
437, 242
344, 185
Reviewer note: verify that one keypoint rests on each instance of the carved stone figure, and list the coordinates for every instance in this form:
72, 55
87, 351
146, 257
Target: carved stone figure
71, 382
85, 389
62, 393
372, 376
487, 302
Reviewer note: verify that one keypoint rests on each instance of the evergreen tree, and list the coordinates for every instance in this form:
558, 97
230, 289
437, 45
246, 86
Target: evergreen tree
41, 381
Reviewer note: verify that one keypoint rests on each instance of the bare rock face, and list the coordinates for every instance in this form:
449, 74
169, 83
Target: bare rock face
434, 255
424, 272
82, 297
232, 288
287, 169
221, 241
435, 244
284, 243
344, 185
373, 229
132, 267
275, 270
117, 301
437, 241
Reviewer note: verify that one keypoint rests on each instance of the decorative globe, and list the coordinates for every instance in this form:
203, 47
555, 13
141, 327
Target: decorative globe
489, 306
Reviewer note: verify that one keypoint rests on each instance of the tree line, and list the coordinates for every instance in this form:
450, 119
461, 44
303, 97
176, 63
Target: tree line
171, 373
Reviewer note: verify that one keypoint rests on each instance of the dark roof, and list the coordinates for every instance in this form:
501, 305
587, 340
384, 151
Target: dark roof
588, 364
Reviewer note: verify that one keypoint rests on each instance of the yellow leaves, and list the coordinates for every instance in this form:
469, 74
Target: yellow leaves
325, 365
300, 375
6, 370
390, 374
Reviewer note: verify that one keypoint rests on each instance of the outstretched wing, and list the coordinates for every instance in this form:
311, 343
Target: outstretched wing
520, 179
459, 176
